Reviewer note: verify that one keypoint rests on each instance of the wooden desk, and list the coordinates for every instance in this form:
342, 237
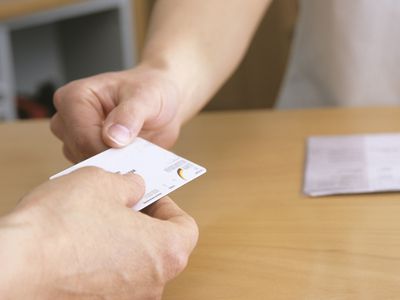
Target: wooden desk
260, 238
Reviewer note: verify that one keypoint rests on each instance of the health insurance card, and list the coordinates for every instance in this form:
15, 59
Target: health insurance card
162, 170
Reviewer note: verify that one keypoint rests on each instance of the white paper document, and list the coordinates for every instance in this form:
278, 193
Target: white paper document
352, 164
162, 170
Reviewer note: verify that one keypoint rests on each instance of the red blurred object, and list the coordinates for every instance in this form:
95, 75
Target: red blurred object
30, 109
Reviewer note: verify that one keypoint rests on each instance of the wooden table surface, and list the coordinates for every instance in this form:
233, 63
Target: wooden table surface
17, 8
260, 237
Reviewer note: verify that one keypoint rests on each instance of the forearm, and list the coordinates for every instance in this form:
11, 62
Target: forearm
200, 43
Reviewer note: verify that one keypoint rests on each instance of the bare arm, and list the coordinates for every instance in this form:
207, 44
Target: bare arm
201, 43
76, 237
192, 47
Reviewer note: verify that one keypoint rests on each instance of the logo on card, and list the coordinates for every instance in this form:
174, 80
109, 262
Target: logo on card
180, 173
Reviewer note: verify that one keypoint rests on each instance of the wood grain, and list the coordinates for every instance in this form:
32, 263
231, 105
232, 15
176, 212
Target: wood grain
260, 237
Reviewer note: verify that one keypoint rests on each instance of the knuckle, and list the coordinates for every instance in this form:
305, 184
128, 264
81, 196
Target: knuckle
54, 122
58, 98
178, 249
179, 262
176, 257
72, 91
83, 144
68, 154
194, 231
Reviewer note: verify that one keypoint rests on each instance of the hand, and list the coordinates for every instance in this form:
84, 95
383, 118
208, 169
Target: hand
111, 109
75, 237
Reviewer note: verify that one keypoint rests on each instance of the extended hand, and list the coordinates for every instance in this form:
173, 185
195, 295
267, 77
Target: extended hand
111, 109
76, 237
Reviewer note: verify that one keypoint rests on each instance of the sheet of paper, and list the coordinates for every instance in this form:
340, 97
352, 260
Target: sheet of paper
162, 170
352, 164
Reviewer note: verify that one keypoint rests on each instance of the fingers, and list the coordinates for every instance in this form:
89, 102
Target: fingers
111, 109
78, 121
126, 120
126, 189
56, 126
148, 102
166, 209
69, 155
180, 234
165, 137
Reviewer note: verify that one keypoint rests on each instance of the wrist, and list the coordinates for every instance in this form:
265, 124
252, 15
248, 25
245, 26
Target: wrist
163, 83
187, 73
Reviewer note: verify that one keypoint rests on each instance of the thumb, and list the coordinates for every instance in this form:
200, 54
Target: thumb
106, 186
126, 120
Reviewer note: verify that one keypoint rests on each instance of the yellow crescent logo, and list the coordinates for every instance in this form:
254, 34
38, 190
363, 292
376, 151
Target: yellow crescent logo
180, 173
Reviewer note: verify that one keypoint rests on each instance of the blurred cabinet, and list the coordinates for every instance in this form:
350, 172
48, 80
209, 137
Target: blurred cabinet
60, 43
7, 109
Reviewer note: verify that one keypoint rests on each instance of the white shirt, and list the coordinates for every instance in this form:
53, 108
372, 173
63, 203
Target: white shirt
344, 53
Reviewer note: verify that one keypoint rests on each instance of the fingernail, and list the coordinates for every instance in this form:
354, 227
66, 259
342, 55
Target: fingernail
119, 134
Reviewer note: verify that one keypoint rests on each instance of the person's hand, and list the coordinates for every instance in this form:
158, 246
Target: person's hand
76, 237
111, 109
